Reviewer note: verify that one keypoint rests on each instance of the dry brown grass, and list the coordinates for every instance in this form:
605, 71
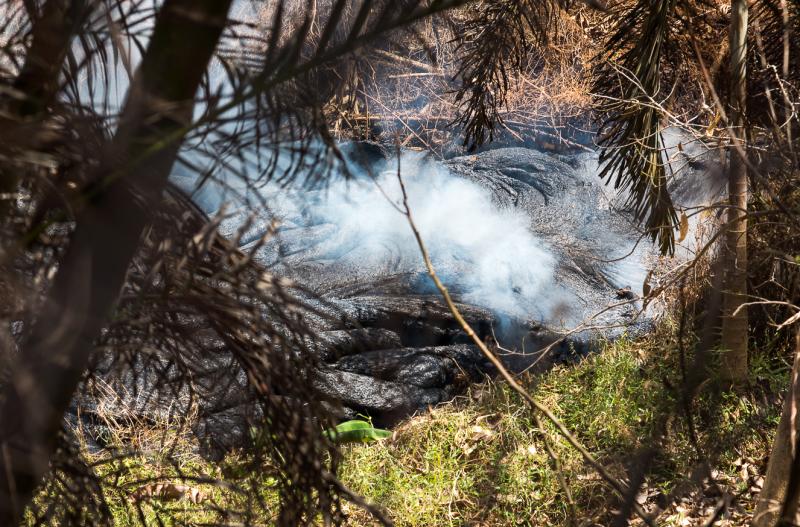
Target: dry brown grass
406, 90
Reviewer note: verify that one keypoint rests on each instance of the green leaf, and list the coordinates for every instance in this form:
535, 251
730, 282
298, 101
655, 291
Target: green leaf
356, 431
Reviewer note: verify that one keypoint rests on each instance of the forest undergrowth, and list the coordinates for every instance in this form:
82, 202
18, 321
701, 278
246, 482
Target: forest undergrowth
481, 460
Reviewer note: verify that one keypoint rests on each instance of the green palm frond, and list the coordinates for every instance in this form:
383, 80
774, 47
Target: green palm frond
628, 87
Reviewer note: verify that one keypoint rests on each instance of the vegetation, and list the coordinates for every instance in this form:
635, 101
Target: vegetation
102, 262
481, 459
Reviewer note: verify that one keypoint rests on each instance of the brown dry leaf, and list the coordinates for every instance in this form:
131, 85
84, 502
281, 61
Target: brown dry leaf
477, 434
480, 433
646, 285
712, 126
684, 227
168, 492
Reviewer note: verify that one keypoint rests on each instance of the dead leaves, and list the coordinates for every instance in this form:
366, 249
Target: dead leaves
684, 227
168, 492
472, 438
646, 288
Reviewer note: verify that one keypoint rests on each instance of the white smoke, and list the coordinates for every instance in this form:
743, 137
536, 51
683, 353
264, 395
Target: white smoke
487, 255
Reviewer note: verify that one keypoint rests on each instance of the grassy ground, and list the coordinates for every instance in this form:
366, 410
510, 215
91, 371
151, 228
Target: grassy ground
480, 460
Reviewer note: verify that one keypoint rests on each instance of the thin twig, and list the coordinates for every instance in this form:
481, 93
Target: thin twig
615, 484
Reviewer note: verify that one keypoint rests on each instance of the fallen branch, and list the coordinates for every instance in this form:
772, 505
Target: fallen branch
406, 61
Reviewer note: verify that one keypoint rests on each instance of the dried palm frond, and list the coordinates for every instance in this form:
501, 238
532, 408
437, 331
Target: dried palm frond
494, 41
196, 318
774, 69
777, 23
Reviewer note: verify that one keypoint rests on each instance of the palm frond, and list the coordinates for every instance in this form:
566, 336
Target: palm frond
496, 38
627, 89
777, 23
278, 89
774, 71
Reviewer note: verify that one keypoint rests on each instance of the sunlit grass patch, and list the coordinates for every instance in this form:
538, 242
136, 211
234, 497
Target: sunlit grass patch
481, 460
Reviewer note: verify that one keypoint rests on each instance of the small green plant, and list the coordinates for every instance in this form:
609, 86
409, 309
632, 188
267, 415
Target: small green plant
356, 431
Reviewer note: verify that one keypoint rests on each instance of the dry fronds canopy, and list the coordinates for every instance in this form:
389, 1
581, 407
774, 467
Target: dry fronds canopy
774, 69
496, 39
278, 86
775, 25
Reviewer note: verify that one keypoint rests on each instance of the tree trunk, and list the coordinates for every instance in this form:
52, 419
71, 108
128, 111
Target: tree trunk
733, 367
783, 459
38, 80
109, 224
37, 84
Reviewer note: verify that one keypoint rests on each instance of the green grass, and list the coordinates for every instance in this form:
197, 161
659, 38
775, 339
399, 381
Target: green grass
480, 460
442, 470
